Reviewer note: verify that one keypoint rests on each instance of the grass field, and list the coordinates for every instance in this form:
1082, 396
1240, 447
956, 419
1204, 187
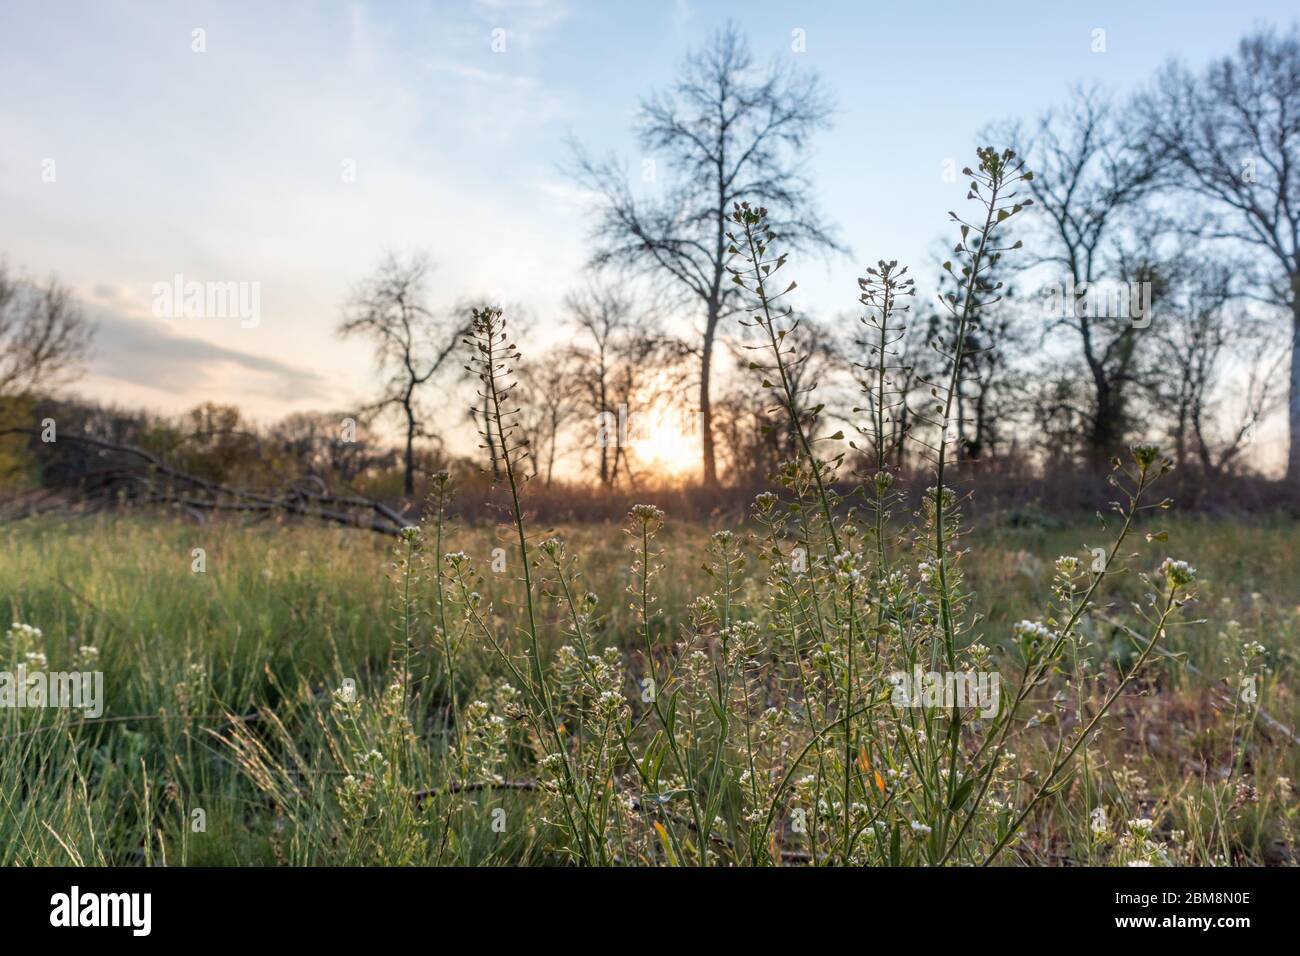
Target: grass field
281, 617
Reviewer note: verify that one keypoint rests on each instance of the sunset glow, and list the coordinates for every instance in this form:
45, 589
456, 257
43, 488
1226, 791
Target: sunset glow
720, 435
667, 449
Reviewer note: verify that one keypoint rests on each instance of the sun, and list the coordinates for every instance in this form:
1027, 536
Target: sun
663, 446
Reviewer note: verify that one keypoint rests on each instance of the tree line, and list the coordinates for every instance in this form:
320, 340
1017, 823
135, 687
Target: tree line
1163, 301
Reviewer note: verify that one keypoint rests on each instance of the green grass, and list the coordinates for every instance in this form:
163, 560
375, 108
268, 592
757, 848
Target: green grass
283, 614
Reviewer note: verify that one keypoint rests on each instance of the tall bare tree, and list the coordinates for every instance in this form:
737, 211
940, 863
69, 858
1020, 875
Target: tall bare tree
1232, 133
726, 131
412, 344
43, 334
1090, 182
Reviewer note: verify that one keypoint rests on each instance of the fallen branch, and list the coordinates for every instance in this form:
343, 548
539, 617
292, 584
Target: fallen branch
199, 495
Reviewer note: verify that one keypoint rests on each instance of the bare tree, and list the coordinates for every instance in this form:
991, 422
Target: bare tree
411, 343
728, 132
909, 364
604, 319
1090, 181
43, 334
1200, 334
623, 363
1233, 136
1060, 423
548, 402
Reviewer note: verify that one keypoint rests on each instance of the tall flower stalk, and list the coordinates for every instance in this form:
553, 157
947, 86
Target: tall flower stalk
492, 359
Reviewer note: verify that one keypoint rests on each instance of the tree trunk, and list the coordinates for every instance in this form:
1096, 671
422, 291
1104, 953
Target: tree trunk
606, 479
1105, 430
710, 464
1293, 398
1180, 438
408, 480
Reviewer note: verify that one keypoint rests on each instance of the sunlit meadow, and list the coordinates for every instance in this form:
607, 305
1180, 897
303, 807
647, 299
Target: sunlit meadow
669, 693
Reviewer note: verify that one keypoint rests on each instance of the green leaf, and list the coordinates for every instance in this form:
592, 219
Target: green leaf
670, 719
649, 766
717, 709
962, 792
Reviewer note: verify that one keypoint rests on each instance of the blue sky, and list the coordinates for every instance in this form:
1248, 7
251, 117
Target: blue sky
226, 165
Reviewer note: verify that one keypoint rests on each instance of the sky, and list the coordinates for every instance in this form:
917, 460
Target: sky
289, 145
